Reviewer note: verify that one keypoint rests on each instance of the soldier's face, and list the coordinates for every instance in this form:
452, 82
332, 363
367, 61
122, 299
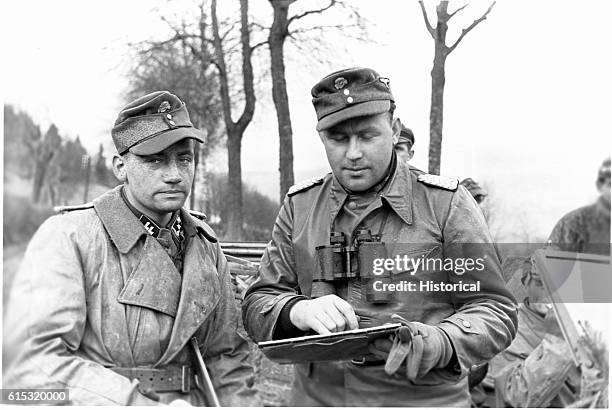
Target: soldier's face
359, 149
404, 152
159, 184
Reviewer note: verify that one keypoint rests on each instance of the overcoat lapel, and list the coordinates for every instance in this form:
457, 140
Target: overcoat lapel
200, 294
155, 283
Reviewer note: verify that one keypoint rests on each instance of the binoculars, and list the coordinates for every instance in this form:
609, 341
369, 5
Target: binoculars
341, 261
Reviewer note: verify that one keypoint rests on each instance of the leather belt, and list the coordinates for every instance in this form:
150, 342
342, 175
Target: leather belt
160, 380
367, 360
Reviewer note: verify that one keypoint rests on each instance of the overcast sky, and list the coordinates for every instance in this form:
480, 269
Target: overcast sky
526, 101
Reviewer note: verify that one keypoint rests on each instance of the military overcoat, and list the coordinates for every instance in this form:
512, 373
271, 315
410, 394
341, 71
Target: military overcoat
95, 291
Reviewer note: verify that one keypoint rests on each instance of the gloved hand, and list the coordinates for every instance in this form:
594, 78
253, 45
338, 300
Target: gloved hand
423, 347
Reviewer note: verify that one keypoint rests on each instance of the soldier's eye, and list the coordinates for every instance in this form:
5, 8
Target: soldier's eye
337, 137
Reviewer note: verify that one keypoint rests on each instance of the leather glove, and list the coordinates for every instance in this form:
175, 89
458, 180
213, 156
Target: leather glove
423, 348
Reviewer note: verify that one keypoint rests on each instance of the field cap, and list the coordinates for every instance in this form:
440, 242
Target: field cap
406, 136
152, 123
474, 187
350, 93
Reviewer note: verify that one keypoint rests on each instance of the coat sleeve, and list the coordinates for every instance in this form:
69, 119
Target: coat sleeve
547, 373
484, 322
276, 283
226, 351
45, 323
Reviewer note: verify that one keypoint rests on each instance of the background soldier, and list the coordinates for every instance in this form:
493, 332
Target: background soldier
536, 370
406, 212
109, 296
474, 188
587, 229
405, 142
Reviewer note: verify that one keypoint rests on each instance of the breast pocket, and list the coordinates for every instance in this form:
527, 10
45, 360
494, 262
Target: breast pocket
415, 261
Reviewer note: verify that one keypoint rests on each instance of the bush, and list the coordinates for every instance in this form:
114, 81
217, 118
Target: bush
259, 211
22, 218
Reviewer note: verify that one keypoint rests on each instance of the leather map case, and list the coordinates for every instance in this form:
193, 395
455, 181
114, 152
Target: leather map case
325, 348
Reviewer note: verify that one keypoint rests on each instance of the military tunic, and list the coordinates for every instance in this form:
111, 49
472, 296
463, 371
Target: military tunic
96, 292
585, 230
421, 218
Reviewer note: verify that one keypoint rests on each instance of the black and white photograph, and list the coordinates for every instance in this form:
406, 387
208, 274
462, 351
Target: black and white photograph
306, 203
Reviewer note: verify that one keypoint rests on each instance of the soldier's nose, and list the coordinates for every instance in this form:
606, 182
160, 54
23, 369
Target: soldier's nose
172, 174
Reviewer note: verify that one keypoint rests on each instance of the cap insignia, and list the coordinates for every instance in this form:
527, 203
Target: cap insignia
164, 106
340, 83
384, 80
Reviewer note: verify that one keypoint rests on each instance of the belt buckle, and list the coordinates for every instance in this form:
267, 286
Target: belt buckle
359, 362
185, 379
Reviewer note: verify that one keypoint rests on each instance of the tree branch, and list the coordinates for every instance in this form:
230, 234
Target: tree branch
431, 30
474, 24
220, 64
309, 12
457, 11
261, 43
247, 69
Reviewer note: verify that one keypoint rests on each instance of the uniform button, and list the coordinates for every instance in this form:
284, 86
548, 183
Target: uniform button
172, 122
351, 205
466, 323
169, 116
347, 92
349, 100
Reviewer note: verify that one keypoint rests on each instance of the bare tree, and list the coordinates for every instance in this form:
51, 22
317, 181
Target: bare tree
279, 32
182, 65
437, 74
45, 151
198, 61
235, 129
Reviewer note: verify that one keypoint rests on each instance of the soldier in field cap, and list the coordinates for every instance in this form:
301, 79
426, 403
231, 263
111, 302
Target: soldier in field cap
123, 285
478, 193
404, 144
370, 196
587, 229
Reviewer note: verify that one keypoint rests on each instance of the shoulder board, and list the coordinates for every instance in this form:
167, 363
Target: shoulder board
417, 170
304, 186
70, 208
438, 181
200, 215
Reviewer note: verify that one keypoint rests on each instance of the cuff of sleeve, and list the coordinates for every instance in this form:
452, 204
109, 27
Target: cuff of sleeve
457, 329
273, 309
284, 327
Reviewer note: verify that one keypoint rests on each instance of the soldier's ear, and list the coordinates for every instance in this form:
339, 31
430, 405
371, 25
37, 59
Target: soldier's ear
119, 168
396, 125
322, 136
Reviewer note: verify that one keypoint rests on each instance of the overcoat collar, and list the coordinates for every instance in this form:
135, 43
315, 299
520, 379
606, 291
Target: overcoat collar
125, 229
397, 193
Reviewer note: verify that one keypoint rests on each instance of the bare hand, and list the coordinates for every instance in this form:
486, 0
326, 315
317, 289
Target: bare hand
324, 315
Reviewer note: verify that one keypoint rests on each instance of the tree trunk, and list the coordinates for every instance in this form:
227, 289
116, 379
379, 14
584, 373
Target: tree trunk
39, 177
278, 33
235, 214
436, 114
235, 130
437, 75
